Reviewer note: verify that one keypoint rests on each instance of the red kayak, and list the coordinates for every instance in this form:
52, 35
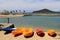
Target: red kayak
40, 32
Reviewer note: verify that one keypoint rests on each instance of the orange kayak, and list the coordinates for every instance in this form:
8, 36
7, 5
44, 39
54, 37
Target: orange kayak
51, 33
28, 32
18, 31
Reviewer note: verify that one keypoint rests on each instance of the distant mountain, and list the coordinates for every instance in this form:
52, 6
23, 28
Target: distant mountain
43, 10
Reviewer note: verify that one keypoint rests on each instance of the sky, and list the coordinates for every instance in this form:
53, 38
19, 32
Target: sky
30, 5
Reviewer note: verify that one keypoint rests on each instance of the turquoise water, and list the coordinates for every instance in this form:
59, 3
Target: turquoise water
44, 22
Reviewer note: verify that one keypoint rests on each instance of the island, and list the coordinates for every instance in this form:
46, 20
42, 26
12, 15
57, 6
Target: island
42, 12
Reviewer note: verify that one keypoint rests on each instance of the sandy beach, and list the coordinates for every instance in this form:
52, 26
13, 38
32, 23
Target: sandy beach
20, 15
10, 15
21, 37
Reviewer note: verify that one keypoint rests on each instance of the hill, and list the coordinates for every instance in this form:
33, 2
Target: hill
43, 10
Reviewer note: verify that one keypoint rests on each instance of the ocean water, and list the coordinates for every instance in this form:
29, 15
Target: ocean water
44, 22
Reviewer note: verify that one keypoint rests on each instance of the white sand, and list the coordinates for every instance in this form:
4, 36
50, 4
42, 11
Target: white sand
20, 15
21, 37
9, 16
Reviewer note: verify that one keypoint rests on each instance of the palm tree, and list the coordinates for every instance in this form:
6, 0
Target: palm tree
19, 10
23, 11
16, 10
11, 12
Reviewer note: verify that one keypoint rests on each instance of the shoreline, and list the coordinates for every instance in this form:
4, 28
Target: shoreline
42, 15
22, 15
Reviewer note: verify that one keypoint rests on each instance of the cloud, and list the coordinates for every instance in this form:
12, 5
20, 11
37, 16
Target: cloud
30, 5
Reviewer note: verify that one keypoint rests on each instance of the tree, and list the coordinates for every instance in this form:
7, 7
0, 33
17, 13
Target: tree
11, 12
16, 10
19, 10
5, 12
23, 11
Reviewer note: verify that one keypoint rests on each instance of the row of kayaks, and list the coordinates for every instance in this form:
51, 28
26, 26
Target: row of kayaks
29, 32
23, 31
